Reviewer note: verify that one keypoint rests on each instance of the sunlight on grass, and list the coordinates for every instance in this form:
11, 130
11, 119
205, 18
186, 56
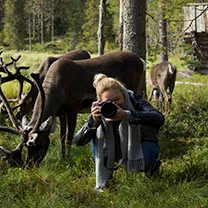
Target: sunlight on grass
181, 182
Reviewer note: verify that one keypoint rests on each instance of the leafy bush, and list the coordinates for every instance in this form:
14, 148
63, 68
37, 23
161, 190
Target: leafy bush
189, 166
188, 117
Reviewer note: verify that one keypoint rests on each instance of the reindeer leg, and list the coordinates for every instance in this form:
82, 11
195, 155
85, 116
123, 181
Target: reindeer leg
157, 95
63, 123
71, 125
165, 97
150, 94
168, 103
171, 88
159, 102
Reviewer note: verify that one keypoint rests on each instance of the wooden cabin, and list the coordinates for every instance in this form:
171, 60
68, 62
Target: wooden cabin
196, 32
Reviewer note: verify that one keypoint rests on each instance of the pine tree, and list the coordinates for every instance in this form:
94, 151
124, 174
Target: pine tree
14, 24
91, 24
75, 18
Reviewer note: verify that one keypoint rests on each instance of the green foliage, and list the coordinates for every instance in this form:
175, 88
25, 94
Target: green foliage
188, 116
173, 13
14, 28
189, 57
90, 26
111, 25
189, 165
75, 23
52, 47
91, 23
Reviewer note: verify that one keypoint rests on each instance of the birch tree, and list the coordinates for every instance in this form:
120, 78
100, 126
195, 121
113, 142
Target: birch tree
101, 39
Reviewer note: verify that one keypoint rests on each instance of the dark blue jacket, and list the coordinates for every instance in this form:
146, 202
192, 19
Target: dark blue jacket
143, 114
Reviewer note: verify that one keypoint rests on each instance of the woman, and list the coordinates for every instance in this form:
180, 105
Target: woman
129, 137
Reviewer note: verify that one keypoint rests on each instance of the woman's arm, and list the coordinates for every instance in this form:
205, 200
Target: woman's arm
88, 130
86, 133
144, 113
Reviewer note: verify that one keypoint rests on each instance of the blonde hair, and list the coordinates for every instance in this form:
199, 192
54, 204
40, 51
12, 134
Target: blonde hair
103, 83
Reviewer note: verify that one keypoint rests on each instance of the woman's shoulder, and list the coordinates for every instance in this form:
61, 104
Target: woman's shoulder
135, 97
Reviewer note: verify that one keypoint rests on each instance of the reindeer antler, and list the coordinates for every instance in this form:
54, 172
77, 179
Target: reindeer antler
17, 75
14, 121
14, 76
13, 157
42, 94
8, 129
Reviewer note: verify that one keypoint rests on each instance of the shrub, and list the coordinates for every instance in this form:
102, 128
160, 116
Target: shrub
188, 117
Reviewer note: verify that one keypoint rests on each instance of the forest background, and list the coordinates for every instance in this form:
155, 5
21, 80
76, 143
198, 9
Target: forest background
62, 25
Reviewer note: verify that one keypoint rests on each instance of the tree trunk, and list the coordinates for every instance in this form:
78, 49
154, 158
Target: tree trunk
41, 22
101, 39
52, 20
120, 39
163, 38
33, 25
42, 28
134, 33
29, 31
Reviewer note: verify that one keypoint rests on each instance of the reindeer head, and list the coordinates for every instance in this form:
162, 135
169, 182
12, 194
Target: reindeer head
35, 137
37, 141
13, 158
37, 134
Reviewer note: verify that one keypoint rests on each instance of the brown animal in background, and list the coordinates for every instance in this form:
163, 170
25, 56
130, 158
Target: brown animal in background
67, 90
162, 82
27, 103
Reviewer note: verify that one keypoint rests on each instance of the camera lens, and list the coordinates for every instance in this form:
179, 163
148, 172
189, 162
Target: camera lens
108, 109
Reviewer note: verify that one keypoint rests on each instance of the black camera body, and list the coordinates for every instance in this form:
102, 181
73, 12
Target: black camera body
108, 109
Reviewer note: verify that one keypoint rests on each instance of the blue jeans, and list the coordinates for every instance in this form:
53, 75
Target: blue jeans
151, 151
93, 148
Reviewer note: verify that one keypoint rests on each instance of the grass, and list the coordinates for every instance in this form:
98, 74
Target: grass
70, 184
181, 182
31, 59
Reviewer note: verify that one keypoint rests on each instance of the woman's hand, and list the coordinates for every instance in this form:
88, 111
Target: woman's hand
120, 115
96, 111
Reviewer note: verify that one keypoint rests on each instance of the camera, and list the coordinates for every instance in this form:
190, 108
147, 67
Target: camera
108, 109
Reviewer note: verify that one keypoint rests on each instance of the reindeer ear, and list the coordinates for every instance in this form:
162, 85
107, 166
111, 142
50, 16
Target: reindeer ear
46, 124
25, 120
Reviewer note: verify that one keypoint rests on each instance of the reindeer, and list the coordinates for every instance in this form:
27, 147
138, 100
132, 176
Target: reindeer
162, 78
67, 90
27, 103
